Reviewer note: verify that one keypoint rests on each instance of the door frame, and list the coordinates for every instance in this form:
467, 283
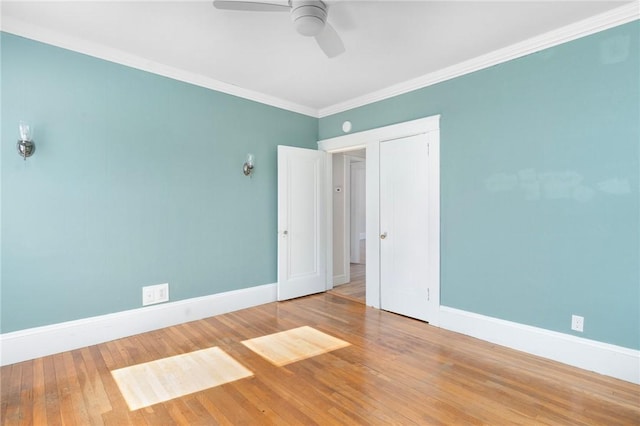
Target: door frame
370, 140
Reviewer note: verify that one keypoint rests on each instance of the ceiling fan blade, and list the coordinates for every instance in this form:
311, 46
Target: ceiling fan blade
253, 6
330, 42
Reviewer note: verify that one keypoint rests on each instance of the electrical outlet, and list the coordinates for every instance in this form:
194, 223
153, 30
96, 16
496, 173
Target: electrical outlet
577, 323
162, 292
148, 296
155, 294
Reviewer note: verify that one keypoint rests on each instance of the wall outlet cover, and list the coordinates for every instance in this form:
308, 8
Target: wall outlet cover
155, 294
577, 323
148, 296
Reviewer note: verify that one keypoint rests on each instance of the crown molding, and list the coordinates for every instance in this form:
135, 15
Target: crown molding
592, 25
619, 16
24, 29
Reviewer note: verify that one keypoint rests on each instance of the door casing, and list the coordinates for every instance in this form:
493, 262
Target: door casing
370, 140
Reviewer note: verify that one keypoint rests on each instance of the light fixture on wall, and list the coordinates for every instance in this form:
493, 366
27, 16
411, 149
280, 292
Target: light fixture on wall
247, 167
25, 145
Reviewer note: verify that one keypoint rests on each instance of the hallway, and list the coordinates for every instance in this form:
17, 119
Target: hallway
355, 289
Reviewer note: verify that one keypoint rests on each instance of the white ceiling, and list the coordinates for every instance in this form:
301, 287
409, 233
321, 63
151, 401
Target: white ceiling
260, 54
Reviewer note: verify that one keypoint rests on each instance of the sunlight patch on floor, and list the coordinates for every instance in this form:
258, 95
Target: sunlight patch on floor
157, 381
294, 345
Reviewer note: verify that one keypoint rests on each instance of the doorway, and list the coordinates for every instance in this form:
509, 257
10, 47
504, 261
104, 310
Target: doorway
349, 224
372, 141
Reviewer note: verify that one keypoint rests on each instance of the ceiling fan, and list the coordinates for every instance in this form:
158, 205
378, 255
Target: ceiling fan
309, 19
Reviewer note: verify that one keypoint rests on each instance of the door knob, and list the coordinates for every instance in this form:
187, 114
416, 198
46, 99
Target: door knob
383, 235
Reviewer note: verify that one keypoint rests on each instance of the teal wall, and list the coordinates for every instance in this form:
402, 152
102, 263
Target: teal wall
137, 180
539, 184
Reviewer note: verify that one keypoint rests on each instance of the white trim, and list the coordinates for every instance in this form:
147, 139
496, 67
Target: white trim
370, 139
340, 279
372, 219
346, 217
328, 214
618, 16
433, 274
611, 360
37, 342
34, 32
354, 141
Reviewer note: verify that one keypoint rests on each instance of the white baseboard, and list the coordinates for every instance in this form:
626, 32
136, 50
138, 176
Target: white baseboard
37, 342
611, 360
340, 279
23, 345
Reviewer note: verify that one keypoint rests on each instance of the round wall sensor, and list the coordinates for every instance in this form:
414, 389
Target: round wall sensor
346, 126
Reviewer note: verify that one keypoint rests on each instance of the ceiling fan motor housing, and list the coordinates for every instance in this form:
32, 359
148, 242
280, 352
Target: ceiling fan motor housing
308, 16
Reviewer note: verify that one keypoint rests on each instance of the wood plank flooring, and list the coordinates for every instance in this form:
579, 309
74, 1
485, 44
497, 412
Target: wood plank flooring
395, 371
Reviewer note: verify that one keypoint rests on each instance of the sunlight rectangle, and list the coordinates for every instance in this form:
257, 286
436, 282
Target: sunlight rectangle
294, 345
157, 381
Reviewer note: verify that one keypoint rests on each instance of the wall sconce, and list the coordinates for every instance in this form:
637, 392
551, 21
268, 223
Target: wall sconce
247, 167
25, 145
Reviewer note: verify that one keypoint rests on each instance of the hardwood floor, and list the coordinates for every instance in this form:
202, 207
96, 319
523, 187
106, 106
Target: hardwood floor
395, 371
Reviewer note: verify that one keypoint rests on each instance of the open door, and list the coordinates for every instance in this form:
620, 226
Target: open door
302, 222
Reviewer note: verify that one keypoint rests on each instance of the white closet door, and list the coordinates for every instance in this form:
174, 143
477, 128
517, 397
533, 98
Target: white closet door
405, 286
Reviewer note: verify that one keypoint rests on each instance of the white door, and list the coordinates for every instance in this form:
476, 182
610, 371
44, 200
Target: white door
302, 245
404, 228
